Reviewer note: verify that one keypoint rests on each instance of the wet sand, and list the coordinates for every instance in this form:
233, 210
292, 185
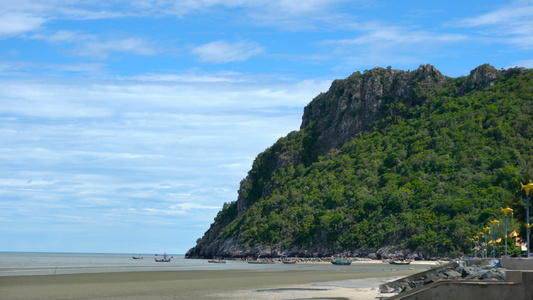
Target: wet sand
203, 284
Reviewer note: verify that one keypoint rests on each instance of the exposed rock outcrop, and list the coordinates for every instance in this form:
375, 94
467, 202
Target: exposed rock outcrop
352, 104
480, 78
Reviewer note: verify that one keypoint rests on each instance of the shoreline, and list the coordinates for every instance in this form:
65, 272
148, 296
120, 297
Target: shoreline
344, 283
155, 268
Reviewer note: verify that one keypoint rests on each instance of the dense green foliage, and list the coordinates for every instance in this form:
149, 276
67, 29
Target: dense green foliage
425, 178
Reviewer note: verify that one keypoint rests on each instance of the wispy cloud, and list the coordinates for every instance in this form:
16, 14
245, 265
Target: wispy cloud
180, 209
118, 153
510, 24
27, 16
255, 9
522, 63
66, 9
98, 47
376, 44
192, 77
393, 36
103, 49
506, 15
225, 52
14, 23
21, 69
288, 7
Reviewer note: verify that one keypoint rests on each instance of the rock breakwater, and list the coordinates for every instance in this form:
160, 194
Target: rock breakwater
452, 271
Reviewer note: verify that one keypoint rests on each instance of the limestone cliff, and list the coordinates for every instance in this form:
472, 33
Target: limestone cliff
352, 104
345, 112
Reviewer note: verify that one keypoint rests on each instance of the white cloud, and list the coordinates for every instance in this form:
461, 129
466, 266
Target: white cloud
225, 52
303, 7
91, 68
379, 45
14, 23
522, 63
68, 36
84, 10
229, 77
394, 36
189, 206
509, 25
94, 46
509, 15
286, 14
121, 152
66, 9
258, 7
181, 209
10, 66
20, 68
48, 100
103, 49
4, 182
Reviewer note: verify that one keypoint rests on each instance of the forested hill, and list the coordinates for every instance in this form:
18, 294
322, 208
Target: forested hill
387, 160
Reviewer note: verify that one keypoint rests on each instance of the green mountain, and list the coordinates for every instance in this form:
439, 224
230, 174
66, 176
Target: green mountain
387, 161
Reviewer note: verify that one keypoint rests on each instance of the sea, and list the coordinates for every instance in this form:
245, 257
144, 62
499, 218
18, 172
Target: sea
37, 263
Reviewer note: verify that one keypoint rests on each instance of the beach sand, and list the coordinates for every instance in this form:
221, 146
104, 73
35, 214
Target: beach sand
203, 284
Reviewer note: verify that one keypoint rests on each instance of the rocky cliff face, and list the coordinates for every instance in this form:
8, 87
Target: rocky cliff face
352, 104
330, 120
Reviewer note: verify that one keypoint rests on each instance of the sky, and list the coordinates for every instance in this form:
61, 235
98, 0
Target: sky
126, 125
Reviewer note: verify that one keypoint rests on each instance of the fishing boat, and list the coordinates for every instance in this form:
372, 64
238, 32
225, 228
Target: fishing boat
289, 262
399, 262
341, 262
164, 259
220, 261
257, 262
261, 262
217, 261
137, 257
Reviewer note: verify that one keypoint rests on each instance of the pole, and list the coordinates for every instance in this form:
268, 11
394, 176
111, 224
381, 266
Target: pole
480, 245
528, 226
485, 252
494, 222
475, 245
505, 235
493, 242
506, 211
527, 187
486, 229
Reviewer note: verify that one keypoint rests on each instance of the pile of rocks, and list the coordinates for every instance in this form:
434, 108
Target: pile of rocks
450, 271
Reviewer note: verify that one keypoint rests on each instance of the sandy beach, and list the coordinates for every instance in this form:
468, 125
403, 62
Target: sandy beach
201, 284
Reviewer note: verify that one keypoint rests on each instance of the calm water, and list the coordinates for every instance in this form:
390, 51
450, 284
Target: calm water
16, 264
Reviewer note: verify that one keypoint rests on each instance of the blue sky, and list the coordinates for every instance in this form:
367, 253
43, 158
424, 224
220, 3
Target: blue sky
126, 125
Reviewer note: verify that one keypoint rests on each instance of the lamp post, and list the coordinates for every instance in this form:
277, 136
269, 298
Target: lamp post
506, 211
494, 223
480, 234
471, 246
475, 247
487, 228
527, 187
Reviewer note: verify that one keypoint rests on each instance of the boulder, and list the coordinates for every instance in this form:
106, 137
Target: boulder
372, 256
452, 274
